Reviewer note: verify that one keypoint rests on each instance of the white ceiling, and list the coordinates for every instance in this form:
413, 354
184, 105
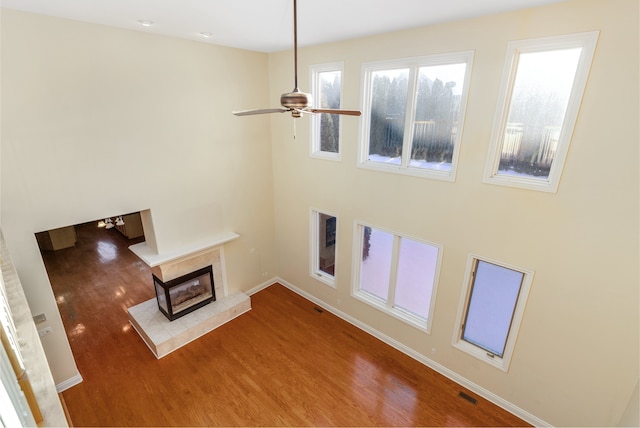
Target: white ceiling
267, 25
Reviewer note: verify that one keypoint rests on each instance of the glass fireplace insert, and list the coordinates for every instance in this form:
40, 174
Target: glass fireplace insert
185, 294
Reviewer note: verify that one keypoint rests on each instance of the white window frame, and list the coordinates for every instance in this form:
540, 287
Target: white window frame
500, 362
587, 41
315, 150
413, 64
388, 306
314, 263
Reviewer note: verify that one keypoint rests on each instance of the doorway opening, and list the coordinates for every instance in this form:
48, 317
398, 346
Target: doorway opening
95, 278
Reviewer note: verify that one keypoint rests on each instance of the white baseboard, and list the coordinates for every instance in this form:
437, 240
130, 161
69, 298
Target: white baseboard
66, 384
484, 393
262, 286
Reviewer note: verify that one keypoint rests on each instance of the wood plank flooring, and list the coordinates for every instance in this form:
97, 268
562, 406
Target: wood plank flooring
285, 363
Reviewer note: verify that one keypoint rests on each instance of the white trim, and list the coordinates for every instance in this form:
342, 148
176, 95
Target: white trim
68, 383
262, 286
412, 64
314, 139
153, 259
335, 157
223, 272
314, 248
460, 380
477, 352
587, 41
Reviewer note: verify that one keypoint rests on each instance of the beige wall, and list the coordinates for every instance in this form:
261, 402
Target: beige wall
99, 121
576, 358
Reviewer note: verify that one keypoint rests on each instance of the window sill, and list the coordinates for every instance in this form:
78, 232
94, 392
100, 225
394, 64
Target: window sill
324, 278
336, 157
410, 171
419, 323
540, 185
482, 355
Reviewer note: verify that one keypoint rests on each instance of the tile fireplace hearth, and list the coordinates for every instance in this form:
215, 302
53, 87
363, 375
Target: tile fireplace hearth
163, 336
196, 275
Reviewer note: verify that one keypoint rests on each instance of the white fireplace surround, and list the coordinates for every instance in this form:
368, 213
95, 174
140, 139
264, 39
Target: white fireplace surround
162, 262
153, 258
163, 336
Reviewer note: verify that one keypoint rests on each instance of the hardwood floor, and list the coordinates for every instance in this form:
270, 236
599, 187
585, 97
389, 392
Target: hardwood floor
284, 363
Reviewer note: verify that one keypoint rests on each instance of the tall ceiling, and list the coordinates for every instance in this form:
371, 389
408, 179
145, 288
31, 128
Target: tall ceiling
267, 25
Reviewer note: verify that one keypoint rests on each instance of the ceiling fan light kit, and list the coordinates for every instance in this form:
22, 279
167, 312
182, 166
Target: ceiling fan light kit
296, 101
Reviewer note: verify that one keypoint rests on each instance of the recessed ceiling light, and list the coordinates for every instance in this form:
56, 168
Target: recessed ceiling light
206, 34
145, 22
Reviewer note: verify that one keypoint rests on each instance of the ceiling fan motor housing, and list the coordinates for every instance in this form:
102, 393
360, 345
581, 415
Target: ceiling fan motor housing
295, 100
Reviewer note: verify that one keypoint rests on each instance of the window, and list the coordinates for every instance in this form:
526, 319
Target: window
490, 311
323, 247
413, 114
396, 274
544, 80
326, 82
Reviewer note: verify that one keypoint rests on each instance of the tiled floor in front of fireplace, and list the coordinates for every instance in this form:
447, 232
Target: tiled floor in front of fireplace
163, 336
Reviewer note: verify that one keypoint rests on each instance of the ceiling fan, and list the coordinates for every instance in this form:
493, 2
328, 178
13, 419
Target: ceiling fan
296, 102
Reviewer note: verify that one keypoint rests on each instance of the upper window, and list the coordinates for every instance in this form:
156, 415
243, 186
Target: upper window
413, 114
490, 311
326, 83
397, 274
544, 80
323, 246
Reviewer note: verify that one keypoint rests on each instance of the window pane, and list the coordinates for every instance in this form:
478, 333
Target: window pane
330, 85
326, 243
416, 273
491, 306
377, 247
388, 105
539, 102
436, 119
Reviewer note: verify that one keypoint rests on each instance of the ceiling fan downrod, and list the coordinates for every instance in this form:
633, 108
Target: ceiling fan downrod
295, 45
296, 102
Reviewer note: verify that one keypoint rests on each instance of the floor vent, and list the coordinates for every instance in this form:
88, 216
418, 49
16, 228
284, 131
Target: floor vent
467, 397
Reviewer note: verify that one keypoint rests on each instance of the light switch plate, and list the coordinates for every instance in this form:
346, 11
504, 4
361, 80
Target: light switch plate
39, 318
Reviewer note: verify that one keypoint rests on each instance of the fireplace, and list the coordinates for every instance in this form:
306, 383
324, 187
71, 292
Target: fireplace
185, 294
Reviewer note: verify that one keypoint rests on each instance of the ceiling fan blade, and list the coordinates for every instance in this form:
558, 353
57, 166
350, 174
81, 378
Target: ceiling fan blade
335, 111
260, 111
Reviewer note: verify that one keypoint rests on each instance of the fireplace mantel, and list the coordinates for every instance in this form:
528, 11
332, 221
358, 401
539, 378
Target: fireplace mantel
158, 332
154, 259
